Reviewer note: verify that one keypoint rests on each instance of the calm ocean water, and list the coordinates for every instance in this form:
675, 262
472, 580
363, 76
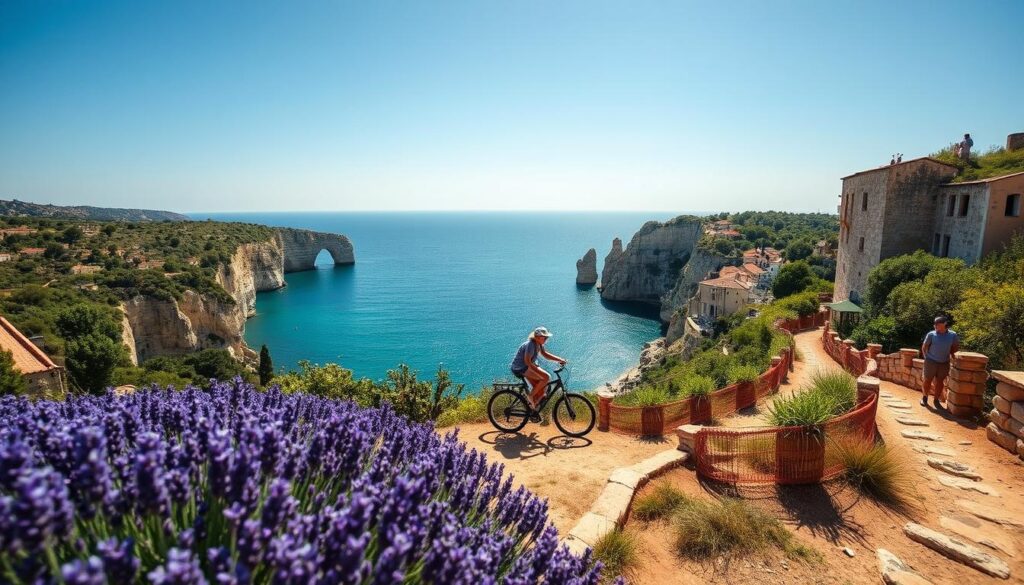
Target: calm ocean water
458, 289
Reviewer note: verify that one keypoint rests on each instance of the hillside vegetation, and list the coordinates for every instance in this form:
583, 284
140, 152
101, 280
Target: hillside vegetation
994, 162
85, 212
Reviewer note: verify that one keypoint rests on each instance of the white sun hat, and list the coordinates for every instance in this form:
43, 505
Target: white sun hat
542, 332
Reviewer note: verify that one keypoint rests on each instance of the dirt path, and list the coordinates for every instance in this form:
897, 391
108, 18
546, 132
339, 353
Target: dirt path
806, 365
833, 516
569, 472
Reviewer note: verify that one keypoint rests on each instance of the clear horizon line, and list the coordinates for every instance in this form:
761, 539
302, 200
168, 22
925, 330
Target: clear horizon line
681, 212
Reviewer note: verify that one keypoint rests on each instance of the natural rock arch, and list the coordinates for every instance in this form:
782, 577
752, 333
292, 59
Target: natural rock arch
301, 247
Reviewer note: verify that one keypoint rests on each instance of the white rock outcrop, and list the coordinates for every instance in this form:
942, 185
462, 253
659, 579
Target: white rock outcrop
649, 266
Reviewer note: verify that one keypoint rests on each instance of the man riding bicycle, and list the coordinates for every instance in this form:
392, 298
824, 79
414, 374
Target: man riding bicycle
524, 364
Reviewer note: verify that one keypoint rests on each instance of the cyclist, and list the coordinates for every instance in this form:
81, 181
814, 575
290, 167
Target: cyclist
524, 364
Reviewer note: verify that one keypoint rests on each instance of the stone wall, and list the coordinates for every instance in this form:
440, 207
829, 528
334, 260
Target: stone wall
1006, 428
964, 389
966, 233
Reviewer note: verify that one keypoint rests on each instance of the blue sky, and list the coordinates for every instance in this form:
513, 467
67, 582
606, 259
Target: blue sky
217, 106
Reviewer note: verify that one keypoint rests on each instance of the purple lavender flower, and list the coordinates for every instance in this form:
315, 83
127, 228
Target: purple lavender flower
181, 568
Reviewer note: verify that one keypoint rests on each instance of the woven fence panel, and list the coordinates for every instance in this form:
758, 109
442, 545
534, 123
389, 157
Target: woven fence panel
785, 455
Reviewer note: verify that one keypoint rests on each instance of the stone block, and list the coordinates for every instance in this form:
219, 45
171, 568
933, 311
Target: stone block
999, 418
1002, 405
630, 478
1014, 426
1013, 377
576, 546
1010, 392
1000, 437
963, 411
1020, 448
659, 463
868, 383
965, 387
976, 376
973, 400
968, 360
917, 364
895, 572
591, 528
613, 503
1017, 410
907, 356
687, 435
958, 550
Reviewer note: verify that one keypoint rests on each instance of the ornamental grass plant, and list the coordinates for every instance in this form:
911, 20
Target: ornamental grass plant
827, 395
879, 472
618, 551
233, 485
659, 503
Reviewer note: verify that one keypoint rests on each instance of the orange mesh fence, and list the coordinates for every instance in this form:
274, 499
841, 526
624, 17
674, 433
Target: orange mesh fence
785, 455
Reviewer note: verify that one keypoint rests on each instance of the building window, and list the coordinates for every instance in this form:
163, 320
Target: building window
945, 247
935, 244
860, 246
965, 202
1012, 205
864, 202
950, 205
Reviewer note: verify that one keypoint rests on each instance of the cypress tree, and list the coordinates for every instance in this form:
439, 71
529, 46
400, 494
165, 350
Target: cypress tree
266, 369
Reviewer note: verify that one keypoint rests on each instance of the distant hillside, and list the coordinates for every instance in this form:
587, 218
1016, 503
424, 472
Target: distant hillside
26, 209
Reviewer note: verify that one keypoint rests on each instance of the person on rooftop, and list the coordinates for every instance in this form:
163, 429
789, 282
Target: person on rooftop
939, 345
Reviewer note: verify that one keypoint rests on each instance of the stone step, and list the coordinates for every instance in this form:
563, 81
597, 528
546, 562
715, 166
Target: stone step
899, 406
958, 550
995, 515
931, 450
885, 394
920, 435
980, 532
968, 485
911, 422
896, 572
953, 468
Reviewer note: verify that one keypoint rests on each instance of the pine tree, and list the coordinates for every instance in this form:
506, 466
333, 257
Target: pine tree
266, 369
11, 380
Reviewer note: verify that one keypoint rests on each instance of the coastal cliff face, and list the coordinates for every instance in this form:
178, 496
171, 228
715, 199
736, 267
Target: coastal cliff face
154, 327
586, 268
701, 262
650, 265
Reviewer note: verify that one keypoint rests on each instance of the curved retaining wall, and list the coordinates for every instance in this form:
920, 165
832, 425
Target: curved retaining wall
663, 418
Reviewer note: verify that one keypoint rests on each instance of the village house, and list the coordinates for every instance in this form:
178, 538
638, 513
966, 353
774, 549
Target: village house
43, 376
900, 208
20, 230
822, 249
32, 251
85, 269
721, 296
5, 257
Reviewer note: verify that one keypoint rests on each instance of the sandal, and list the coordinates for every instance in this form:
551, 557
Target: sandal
924, 400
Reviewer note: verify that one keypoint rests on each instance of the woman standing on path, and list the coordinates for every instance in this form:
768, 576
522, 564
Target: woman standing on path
939, 344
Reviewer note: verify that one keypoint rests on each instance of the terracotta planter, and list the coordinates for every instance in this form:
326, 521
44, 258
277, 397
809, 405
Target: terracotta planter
652, 420
746, 394
700, 410
800, 456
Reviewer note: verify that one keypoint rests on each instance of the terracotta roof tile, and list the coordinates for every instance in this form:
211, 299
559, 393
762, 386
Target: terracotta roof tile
28, 358
727, 282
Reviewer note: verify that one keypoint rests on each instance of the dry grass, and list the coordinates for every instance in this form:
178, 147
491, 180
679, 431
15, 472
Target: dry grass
617, 550
879, 472
660, 503
730, 526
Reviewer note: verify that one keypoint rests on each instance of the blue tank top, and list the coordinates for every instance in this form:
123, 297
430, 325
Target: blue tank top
529, 347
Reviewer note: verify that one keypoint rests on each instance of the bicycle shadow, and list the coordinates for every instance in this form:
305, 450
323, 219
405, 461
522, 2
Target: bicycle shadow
520, 446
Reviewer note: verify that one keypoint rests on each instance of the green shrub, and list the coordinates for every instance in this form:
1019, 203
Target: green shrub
617, 550
828, 394
697, 386
740, 373
470, 409
644, 396
661, 502
879, 472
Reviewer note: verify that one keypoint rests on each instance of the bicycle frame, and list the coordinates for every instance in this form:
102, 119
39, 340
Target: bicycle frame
549, 392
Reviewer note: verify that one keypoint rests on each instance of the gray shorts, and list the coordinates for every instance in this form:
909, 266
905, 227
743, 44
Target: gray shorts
935, 369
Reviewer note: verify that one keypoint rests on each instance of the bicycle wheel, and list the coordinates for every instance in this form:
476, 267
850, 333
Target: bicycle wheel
508, 411
574, 415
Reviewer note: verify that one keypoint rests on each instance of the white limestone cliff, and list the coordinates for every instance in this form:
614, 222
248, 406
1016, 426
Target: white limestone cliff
650, 265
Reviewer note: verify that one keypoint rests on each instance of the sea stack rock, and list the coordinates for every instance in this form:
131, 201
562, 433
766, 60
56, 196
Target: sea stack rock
586, 268
650, 265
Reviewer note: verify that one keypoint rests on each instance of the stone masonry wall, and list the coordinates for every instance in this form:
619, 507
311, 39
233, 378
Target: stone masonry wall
1006, 428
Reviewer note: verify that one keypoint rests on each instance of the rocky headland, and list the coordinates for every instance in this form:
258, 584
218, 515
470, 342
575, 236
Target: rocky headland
586, 268
154, 326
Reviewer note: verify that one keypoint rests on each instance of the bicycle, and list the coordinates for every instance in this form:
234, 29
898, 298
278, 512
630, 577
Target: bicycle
509, 408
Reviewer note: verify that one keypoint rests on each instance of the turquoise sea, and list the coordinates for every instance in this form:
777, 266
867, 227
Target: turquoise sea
458, 289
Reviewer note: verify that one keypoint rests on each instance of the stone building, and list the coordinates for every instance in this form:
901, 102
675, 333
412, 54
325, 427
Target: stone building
43, 376
722, 296
900, 208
